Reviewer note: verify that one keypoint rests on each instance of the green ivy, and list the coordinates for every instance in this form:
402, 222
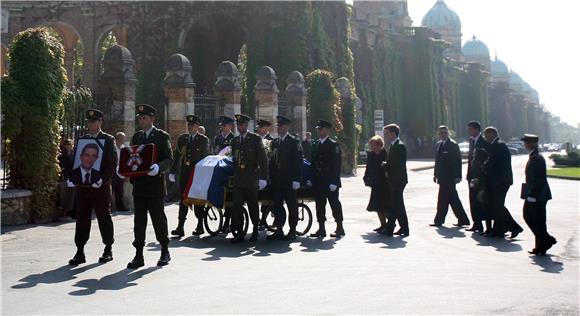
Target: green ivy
32, 103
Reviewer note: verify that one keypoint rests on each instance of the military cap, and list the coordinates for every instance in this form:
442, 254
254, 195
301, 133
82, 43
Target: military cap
192, 119
226, 120
323, 123
145, 109
530, 138
94, 114
282, 120
263, 123
241, 118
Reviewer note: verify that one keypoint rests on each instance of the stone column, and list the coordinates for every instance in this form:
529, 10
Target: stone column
296, 93
227, 89
179, 90
266, 96
118, 83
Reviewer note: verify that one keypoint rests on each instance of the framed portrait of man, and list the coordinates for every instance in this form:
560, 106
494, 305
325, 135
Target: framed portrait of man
87, 161
135, 161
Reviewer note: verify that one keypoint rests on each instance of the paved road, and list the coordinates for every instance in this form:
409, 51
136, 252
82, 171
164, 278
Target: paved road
434, 271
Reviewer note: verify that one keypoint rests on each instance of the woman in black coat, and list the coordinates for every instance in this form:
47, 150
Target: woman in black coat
375, 178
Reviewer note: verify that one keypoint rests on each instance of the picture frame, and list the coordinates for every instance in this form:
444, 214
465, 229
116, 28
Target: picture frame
87, 160
135, 161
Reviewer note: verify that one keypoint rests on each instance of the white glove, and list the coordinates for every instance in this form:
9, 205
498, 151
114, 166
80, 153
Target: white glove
332, 187
153, 170
118, 174
457, 180
171, 177
262, 184
97, 184
295, 185
308, 183
531, 199
70, 184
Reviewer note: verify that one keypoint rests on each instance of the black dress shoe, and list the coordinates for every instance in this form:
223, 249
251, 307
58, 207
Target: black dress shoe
254, 236
237, 239
475, 229
436, 224
379, 228
107, 255
198, 231
291, 235
319, 234
402, 232
534, 252
461, 224
77, 259
339, 232
516, 232
178, 232
164, 259
137, 262
278, 234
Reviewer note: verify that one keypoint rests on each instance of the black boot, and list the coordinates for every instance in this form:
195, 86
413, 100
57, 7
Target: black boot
339, 232
321, 232
165, 257
138, 261
107, 254
255, 235
291, 234
199, 229
78, 258
278, 234
178, 232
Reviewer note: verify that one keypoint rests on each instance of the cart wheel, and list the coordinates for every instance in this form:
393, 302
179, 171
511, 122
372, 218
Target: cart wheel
304, 219
270, 219
213, 220
245, 223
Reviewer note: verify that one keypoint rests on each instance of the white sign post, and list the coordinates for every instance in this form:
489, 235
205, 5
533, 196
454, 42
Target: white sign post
379, 122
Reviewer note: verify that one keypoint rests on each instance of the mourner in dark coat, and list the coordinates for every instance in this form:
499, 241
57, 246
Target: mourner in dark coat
191, 148
286, 176
447, 173
376, 179
94, 190
250, 174
396, 172
149, 191
498, 170
536, 194
476, 179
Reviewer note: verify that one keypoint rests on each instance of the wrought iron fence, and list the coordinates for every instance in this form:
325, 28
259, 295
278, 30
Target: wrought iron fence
209, 108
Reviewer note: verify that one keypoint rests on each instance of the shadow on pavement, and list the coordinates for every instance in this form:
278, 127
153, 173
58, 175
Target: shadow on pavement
116, 281
450, 232
500, 244
58, 275
389, 242
547, 264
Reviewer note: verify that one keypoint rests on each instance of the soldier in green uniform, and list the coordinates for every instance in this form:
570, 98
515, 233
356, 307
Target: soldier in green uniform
263, 128
224, 138
250, 174
191, 148
149, 191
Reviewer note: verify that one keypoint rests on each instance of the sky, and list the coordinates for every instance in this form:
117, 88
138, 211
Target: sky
538, 39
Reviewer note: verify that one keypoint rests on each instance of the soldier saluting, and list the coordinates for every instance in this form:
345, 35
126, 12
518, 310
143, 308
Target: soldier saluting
250, 174
286, 174
191, 148
149, 191
96, 192
326, 162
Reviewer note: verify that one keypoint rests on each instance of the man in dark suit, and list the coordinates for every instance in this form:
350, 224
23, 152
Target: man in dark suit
285, 175
536, 193
149, 191
224, 138
250, 174
447, 173
326, 163
396, 170
191, 148
498, 169
476, 179
94, 191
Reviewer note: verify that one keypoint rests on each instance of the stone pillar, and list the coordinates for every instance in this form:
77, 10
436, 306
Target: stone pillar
296, 92
179, 90
227, 89
266, 96
118, 83
348, 124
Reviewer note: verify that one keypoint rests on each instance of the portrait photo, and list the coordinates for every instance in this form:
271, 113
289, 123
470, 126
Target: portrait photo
87, 161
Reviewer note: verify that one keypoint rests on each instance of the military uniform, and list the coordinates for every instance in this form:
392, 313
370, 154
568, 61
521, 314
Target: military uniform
286, 175
326, 164
96, 196
149, 191
190, 149
250, 166
220, 141
264, 209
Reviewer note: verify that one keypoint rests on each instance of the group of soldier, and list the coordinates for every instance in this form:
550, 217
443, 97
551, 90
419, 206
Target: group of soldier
254, 169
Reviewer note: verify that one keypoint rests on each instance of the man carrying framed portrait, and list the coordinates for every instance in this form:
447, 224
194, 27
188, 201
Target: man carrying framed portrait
94, 165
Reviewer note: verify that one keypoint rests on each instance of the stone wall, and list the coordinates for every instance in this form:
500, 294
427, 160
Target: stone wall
16, 208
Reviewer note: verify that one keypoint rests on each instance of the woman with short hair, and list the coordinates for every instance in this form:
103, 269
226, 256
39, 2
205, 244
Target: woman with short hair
376, 179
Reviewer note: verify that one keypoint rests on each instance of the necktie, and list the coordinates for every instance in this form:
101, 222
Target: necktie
87, 178
471, 148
